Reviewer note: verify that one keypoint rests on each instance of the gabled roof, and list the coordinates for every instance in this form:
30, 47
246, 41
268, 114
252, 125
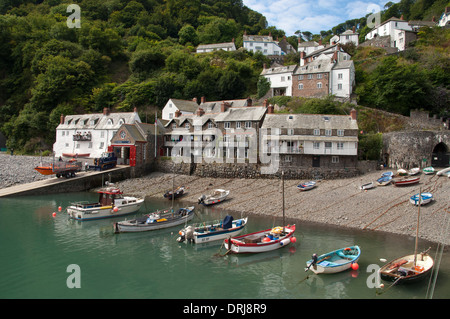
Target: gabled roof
216, 45
185, 105
98, 121
250, 113
279, 69
319, 65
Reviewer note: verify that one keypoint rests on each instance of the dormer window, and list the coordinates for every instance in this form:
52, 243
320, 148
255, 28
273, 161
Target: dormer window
121, 121
110, 122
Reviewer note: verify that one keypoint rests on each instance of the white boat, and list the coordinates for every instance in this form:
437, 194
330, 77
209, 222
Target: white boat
428, 170
111, 203
367, 186
425, 198
443, 172
306, 186
384, 180
402, 172
405, 180
414, 171
217, 196
212, 231
335, 261
261, 241
156, 220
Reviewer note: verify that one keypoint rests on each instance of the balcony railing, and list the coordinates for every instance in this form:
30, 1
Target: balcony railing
82, 137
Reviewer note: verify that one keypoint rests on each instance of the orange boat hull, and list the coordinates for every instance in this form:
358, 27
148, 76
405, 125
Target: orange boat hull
45, 170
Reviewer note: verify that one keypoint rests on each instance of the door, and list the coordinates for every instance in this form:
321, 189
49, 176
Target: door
316, 161
133, 155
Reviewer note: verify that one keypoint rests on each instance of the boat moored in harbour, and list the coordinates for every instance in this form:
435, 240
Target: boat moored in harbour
111, 203
335, 261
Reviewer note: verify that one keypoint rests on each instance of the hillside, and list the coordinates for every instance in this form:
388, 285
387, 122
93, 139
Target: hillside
140, 53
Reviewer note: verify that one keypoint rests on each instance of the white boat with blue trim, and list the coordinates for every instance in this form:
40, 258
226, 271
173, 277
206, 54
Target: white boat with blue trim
425, 198
335, 261
213, 231
306, 186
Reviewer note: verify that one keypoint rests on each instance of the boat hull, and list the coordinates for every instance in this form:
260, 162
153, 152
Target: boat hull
425, 198
132, 227
241, 244
405, 182
404, 274
213, 199
73, 155
443, 172
367, 186
45, 170
205, 237
306, 186
334, 262
428, 170
101, 212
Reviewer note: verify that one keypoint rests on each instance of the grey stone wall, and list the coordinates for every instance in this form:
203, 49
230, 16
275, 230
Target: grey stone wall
412, 149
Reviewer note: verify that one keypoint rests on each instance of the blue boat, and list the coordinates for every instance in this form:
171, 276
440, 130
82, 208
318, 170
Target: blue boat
384, 180
426, 198
335, 261
306, 186
387, 174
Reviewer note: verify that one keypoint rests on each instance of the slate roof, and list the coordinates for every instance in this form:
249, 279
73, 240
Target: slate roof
309, 121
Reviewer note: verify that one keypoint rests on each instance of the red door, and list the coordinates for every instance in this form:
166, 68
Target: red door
132, 155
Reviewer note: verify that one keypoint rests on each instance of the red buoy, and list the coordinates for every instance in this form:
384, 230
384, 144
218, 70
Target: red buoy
355, 266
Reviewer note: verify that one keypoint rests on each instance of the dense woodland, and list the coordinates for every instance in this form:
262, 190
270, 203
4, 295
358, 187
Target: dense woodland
140, 53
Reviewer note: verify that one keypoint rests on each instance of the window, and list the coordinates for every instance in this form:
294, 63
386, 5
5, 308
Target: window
170, 116
300, 86
290, 131
210, 125
90, 145
187, 125
334, 159
288, 158
340, 76
316, 145
339, 86
319, 76
300, 77
328, 144
227, 125
248, 124
310, 76
102, 134
340, 132
319, 85
316, 131
174, 126
328, 132
102, 145
238, 124
340, 145
63, 133
283, 79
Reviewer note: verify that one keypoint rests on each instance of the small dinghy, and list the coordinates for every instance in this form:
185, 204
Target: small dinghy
425, 199
306, 186
407, 269
367, 186
178, 192
414, 171
384, 180
405, 180
335, 261
443, 172
428, 170
217, 196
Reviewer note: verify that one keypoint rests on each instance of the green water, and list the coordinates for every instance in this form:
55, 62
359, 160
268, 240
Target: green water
36, 250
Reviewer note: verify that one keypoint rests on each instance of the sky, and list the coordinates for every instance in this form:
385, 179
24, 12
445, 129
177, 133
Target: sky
312, 15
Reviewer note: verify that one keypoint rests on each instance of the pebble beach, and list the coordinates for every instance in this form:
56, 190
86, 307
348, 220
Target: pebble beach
338, 202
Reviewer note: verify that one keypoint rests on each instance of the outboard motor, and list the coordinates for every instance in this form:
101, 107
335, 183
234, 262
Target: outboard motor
186, 234
201, 199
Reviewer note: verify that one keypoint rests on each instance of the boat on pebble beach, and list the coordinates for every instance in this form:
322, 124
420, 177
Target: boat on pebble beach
425, 198
405, 181
428, 170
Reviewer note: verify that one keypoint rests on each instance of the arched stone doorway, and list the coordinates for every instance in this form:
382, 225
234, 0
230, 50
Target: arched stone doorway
440, 156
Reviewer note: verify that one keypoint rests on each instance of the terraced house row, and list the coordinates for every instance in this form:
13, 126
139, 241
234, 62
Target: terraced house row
237, 131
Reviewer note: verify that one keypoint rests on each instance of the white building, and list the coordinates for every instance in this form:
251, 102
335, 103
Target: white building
262, 43
342, 79
389, 28
174, 105
309, 46
205, 48
89, 135
346, 37
445, 17
280, 78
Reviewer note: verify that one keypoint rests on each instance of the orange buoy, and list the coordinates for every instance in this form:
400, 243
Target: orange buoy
59, 208
355, 266
293, 239
54, 214
115, 209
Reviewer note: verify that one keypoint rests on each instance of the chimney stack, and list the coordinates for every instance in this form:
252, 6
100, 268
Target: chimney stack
270, 109
200, 111
353, 114
105, 111
194, 100
202, 100
249, 101
354, 29
61, 120
265, 103
135, 109
224, 106
302, 58
401, 17
177, 113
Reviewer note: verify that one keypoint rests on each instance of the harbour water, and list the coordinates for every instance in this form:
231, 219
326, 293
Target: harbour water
37, 249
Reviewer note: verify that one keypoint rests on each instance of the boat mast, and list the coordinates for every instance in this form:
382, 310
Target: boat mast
173, 185
417, 228
282, 192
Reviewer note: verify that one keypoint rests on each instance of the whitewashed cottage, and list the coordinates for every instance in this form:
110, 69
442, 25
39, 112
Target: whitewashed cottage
89, 135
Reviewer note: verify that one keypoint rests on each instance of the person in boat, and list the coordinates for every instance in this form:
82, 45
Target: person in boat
60, 159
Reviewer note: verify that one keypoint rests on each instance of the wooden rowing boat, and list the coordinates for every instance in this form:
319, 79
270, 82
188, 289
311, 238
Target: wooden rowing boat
407, 180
